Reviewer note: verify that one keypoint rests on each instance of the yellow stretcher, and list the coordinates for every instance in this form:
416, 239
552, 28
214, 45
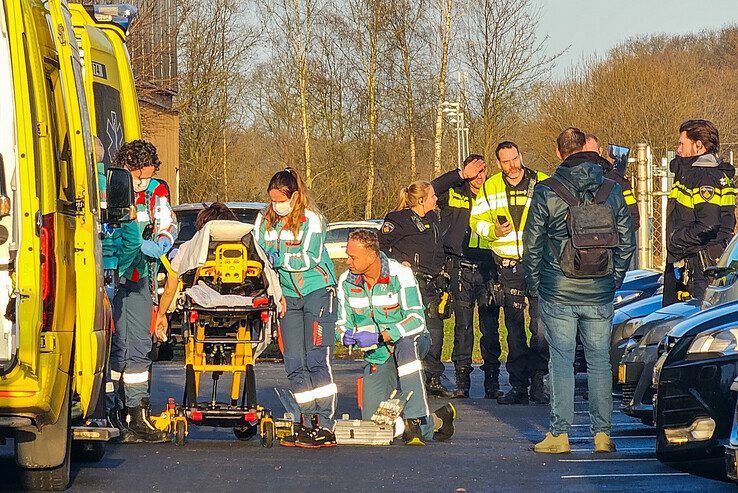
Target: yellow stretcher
219, 340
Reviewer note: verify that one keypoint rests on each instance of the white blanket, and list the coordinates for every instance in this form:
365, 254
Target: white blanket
207, 297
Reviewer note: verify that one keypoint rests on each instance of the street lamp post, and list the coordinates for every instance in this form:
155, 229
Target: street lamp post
456, 117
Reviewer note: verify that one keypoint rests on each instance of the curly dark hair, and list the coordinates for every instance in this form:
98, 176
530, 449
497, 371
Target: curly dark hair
136, 154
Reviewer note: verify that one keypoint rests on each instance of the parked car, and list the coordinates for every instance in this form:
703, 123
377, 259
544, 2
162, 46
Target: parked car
637, 285
723, 286
635, 371
695, 406
337, 235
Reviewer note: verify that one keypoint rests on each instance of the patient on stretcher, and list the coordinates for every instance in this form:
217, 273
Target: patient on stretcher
220, 267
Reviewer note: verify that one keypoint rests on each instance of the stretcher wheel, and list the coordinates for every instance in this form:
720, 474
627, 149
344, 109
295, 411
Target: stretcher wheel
267, 434
246, 432
179, 432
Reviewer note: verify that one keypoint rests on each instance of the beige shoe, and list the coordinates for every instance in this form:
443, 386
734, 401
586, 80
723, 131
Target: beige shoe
553, 444
603, 443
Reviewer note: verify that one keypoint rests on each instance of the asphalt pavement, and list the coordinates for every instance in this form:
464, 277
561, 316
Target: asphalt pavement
489, 452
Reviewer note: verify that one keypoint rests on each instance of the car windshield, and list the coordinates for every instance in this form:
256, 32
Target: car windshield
186, 220
730, 254
338, 235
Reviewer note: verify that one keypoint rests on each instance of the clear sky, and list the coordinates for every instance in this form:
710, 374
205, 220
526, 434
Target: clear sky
595, 26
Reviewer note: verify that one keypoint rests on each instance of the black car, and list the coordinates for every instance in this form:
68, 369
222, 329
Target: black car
635, 371
695, 406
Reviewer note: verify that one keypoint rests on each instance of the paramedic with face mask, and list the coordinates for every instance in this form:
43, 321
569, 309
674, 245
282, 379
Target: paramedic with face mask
292, 231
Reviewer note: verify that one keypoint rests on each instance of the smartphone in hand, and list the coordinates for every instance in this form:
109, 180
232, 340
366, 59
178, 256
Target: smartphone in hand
502, 219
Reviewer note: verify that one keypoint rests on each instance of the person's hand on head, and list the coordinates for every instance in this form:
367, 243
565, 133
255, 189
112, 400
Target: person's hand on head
472, 169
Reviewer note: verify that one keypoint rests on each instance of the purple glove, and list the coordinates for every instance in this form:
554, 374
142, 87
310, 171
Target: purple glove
348, 338
366, 339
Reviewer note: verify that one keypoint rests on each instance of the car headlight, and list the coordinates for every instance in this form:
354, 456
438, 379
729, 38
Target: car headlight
630, 345
654, 336
722, 341
630, 326
625, 297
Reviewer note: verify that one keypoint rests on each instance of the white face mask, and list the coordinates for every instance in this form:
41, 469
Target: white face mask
282, 208
141, 184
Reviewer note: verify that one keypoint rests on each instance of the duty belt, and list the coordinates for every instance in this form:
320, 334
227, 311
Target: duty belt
507, 263
463, 264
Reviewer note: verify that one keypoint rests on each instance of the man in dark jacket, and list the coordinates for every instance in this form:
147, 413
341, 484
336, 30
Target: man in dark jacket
700, 213
569, 305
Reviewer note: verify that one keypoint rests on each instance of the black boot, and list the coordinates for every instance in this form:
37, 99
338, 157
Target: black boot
447, 415
537, 391
434, 387
492, 385
518, 395
413, 435
114, 420
463, 383
141, 426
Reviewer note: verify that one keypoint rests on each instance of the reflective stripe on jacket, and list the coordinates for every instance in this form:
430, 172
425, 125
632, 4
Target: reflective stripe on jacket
393, 304
492, 201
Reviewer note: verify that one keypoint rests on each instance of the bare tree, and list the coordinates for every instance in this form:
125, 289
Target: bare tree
406, 19
292, 22
505, 57
446, 7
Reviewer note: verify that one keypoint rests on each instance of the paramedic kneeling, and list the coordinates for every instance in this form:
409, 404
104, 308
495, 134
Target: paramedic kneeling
380, 311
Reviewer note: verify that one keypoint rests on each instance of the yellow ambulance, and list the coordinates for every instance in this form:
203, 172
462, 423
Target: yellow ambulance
55, 318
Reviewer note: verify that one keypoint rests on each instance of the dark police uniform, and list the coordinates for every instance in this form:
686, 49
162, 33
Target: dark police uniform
407, 237
471, 270
700, 217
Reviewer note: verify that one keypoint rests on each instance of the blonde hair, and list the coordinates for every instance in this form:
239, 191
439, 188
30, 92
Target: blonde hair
411, 195
290, 183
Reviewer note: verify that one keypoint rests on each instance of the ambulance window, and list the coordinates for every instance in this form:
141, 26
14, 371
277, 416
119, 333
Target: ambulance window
108, 119
62, 149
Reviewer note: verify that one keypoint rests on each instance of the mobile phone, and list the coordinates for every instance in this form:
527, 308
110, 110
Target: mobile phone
619, 155
502, 219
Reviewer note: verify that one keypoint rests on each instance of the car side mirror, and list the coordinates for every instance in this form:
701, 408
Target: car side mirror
120, 196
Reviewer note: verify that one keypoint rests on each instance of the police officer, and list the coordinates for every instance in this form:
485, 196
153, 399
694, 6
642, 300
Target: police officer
593, 145
411, 235
499, 214
700, 214
471, 268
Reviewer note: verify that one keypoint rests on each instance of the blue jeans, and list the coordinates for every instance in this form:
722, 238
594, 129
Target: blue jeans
594, 323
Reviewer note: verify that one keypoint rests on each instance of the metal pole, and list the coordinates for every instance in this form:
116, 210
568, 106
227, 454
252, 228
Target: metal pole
664, 200
645, 260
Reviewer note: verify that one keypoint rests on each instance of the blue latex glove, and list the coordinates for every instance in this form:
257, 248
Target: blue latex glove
273, 257
348, 338
151, 249
164, 243
366, 339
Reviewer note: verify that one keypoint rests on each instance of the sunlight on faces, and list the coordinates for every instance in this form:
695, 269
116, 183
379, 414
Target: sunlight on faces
478, 181
143, 173
688, 147
359, 258
430, 199
278, 196
510, 163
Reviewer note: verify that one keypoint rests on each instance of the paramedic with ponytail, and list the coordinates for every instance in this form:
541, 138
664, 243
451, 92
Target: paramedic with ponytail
291, 231
411, 235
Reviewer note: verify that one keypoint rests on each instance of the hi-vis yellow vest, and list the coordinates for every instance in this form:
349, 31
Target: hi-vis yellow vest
492, 202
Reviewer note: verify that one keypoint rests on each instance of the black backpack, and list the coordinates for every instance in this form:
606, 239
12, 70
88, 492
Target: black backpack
592, 231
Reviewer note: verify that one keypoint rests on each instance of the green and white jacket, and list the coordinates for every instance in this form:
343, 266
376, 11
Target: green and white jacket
393, 304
